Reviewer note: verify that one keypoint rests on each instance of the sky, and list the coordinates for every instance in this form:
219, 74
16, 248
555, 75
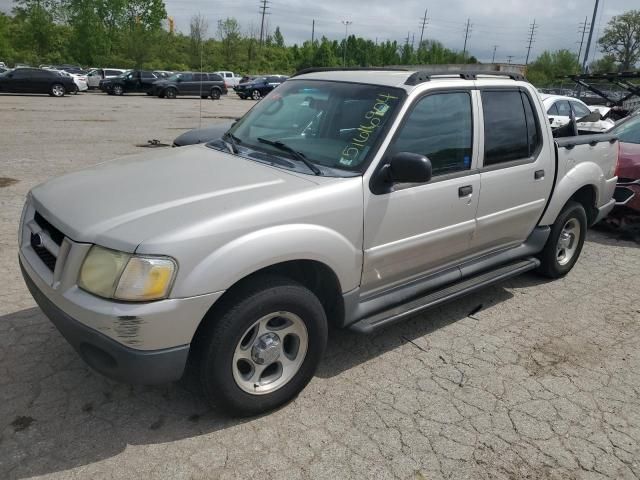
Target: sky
501, 23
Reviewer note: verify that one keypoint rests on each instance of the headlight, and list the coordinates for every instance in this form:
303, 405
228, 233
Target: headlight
112, 274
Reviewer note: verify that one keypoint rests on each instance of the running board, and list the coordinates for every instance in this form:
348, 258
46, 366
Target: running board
433, 299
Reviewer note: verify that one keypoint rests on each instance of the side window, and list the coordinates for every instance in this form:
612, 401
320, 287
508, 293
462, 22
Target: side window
440, 126
534, 134
563, 107
112, 72
553, 110
505, 127
228, 75
197, 77
147, 75
580, 110
214, 77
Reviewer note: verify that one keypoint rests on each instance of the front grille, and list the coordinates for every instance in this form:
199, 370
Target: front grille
47, 258
56, 235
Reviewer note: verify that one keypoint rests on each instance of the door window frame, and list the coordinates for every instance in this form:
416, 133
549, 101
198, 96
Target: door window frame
518, 161
473, 169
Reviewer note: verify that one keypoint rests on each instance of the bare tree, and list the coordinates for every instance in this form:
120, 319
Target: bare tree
198, 28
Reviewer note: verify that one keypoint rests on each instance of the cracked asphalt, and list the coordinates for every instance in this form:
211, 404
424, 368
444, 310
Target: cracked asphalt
541, 381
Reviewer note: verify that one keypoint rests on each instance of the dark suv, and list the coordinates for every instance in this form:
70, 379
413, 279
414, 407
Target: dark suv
191, 83
133, 81
259, 86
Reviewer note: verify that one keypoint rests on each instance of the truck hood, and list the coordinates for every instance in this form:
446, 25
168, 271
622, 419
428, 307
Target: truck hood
119, 204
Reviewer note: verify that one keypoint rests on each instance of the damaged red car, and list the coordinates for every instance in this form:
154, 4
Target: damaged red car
627, 193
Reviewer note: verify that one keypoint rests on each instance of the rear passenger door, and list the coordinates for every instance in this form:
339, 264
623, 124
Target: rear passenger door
517, 169
421, 228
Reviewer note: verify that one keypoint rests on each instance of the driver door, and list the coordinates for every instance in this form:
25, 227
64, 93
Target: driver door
421, 228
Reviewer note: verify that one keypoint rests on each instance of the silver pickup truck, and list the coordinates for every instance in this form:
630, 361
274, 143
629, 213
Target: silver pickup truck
346, 198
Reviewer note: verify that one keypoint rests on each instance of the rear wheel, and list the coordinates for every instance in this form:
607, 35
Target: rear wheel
215, 94
264, 348
565, 241
57, 90
171, 93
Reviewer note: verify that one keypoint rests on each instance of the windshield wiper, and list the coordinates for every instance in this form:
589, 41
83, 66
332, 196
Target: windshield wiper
233, 141
296, 154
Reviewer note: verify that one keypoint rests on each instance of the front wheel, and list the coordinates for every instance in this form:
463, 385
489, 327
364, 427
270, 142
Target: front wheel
256, 95
57, 90
565, 241
118, 90
171, 93
264, 348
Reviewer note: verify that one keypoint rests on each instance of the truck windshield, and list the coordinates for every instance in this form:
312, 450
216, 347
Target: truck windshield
336, 125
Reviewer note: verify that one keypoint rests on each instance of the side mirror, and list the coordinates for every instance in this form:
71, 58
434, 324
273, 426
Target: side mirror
403, 167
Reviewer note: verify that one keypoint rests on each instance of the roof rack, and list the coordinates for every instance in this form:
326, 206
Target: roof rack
347, 69
425, 75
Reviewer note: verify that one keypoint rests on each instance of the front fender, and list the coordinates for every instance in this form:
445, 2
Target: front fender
263, 248
583, 174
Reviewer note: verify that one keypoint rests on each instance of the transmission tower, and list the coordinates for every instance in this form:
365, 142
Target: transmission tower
532, 33
466, 37
263, 11
424, 21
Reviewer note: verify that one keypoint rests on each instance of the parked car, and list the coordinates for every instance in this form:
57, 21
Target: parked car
135, 81
36, 80
79, 80
230, 79
96, 75
559, 110
191, 83
259, 86
627, 193
351, 198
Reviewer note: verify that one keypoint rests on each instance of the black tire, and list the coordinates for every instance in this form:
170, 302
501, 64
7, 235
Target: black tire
161, 94
76, 90
118, 90
218, 340
553, 263
203, 97
57, 90
171, 93
215, 94
256, 95
242, 97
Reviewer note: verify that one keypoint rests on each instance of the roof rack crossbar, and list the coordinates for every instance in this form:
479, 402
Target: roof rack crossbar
426, 75
347, 69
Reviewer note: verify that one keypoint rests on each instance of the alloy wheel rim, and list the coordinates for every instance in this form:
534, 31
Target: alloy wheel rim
270, 353
567, 244
58, 90
255, 95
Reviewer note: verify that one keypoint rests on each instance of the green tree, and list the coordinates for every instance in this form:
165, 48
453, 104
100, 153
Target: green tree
551, 65
621, 39
606, 64
229, 32
278, 39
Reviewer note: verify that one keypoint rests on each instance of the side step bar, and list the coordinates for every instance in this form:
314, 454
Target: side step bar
464, 287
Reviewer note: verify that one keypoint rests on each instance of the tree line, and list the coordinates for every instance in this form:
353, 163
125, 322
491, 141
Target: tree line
135, 34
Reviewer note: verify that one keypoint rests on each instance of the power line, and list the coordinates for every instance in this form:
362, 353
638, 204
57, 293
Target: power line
466, 37
532, 32
263, 11
583, 26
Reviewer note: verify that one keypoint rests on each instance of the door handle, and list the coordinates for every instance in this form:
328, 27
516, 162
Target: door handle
539, 175
465, 191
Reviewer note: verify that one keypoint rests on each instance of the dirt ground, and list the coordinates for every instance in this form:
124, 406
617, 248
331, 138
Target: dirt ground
542, 382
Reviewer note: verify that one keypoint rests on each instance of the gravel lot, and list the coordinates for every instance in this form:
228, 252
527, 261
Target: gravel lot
542, 382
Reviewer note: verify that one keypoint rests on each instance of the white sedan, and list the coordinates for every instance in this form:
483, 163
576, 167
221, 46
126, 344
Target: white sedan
559, 110
80, 80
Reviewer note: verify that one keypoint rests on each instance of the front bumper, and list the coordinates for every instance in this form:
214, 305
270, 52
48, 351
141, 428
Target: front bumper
604, 210
107, 356
627, 195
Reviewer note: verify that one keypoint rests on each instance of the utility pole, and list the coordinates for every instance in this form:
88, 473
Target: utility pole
532, 33
509, 57
313, 31
466, 37
493, 59
593, 24
424, 23
583, 26
263, 11
346, 33
413, 41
